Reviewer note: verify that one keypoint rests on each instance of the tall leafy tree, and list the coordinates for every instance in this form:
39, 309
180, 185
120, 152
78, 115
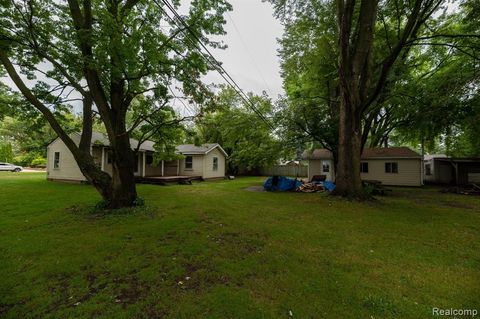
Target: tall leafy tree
309, 112
375, 46
103, 55
246, 138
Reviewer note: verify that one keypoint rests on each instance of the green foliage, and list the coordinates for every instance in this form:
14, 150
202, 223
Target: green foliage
245, 137
111, 57
138, 46
26, 159
39, 162
429, 93
163, 126
6, 152
30, 134
308, 53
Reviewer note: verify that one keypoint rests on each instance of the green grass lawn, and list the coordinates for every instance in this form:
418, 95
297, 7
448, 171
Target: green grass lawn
216, 250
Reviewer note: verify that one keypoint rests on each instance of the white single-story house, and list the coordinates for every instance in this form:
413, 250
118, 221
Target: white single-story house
395, 166
441, 169
206, 161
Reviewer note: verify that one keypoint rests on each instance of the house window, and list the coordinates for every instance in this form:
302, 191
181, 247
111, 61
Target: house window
149, 160
109, 157
56, 160
325, 167
364, 167
215, 163
428, 169
391, 167
188, 162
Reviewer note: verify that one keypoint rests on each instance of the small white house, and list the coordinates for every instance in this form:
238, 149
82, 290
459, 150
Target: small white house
395, 166
207, 161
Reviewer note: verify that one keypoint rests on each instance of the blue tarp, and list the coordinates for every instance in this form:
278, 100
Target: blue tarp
329, 186
281, 183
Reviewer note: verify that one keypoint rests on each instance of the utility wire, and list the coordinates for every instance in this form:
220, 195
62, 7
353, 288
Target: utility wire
216, 64
248, 51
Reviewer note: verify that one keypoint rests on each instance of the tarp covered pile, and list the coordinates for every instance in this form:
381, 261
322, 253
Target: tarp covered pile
284, 184
281, 183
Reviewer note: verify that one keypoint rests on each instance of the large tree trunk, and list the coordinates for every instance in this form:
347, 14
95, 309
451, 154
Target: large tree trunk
117, 190
348, 179
355, 47
123, 188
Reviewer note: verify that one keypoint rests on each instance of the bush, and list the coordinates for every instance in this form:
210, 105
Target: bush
39, 162
28, 159
6, 152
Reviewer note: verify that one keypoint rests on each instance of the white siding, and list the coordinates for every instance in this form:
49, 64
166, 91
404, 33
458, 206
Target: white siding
315, 167
409, 172
208, 171
197, 166
68, 168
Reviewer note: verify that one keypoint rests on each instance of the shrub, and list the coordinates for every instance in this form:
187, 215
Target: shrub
39, 161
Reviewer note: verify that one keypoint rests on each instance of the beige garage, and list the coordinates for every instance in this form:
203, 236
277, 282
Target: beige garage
396, 166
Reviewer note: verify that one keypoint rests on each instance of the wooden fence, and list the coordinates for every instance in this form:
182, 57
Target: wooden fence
285, 170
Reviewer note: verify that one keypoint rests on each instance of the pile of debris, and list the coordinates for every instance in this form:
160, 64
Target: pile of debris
470, 189
285, 184
311, 188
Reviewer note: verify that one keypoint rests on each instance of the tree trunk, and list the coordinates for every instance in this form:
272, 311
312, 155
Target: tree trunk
122, 186
348, 182
355, 47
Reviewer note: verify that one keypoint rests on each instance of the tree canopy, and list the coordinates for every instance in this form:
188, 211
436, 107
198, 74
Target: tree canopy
105, 57
364, 73
246, 138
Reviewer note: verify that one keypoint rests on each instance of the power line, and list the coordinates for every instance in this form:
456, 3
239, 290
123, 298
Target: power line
217, 66
248, 51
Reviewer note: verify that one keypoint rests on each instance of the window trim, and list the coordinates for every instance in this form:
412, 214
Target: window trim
391, 167
189, 162
56, 160
325, 164
362, 166
215, 163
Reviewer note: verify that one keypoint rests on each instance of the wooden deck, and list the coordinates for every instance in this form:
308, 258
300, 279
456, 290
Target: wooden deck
163, 180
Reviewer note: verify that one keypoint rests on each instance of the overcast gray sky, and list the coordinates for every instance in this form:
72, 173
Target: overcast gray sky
251, 57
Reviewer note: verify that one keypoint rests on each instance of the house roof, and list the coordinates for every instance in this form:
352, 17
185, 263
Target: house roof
368, 153
428, 157
390, 152
319, 153
191, 149
102, 140
458, 159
